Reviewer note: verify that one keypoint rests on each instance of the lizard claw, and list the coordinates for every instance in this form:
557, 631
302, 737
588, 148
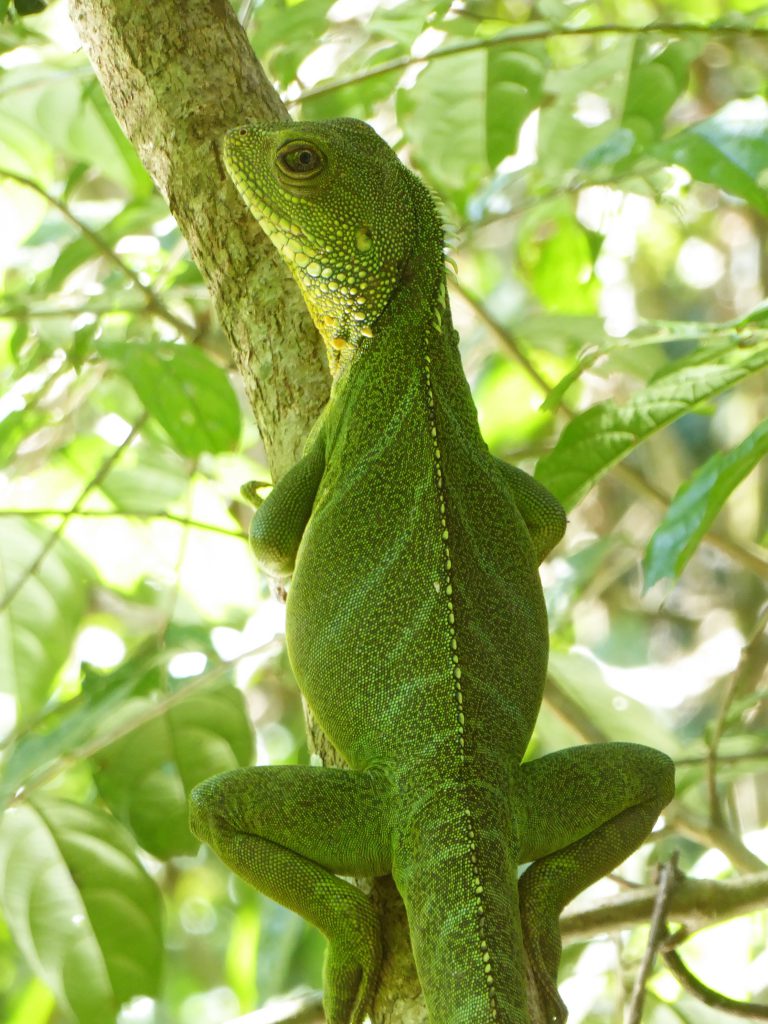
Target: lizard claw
550, 1006
250, 492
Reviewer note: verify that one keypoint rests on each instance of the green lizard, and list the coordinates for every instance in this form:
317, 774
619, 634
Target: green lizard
416, 624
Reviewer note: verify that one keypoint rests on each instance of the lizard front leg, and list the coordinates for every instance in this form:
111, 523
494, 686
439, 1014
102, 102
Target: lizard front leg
279, 521
542, 513
581, 812
288, 831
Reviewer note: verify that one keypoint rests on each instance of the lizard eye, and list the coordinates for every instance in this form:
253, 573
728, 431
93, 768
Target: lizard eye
300, 160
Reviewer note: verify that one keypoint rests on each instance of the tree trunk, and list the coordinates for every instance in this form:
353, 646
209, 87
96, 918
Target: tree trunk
178, 75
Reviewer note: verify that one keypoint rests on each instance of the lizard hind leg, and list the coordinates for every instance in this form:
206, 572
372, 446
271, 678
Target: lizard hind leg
289, 831
585, 810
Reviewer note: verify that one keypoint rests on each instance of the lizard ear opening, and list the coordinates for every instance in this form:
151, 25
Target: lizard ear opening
364, 238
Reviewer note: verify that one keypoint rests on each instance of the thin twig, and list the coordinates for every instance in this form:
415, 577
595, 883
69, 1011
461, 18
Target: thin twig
748, 556
509, 340
35, 398
51, 710
54, 537
708, 835
696, 903
124, 514
171, 594
668, 877
642, 168
707, 995
525, 34
572, 713
660, 939
743, 670
22, 313
153, 302
750, 755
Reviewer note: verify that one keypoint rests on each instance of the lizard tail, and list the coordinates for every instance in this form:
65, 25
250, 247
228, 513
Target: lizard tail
457, 874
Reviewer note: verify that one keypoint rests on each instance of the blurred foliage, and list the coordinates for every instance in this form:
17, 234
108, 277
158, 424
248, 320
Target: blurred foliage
606, 184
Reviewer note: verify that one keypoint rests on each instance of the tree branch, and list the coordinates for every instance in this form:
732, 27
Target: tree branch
696, 903
707, 995
744, 677
131, 513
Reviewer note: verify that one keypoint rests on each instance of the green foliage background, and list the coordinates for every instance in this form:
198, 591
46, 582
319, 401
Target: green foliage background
606, 184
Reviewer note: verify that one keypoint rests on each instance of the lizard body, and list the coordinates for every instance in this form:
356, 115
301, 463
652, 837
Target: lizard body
416, 623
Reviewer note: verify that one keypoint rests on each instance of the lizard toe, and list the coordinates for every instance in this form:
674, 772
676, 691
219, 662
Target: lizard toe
541, 933
352, 963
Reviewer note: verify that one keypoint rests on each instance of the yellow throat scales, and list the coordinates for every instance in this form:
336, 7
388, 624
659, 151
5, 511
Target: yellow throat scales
345, 265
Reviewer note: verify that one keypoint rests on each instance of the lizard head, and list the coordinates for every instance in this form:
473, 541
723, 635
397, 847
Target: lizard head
338, 205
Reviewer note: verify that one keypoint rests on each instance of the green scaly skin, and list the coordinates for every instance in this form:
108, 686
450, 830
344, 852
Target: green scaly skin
416, 624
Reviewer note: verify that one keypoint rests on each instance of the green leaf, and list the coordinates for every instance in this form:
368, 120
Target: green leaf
464, 113
25, 7
80, 906
729, 150
65, 112
442, 117
390, 34
185, 391
16, 33
149, 479
21, 147
604, 434
612, 150
38, 626
286, 33
757, 315
557, 260
119, 158
146, 776
17, 427
696, 504
655, 82
545, 330
34, 1005
503, 386
515, 84
76, 721
80, 348
564, 140
357, 99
